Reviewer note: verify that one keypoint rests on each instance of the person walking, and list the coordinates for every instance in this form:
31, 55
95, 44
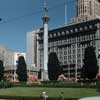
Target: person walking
44, 96
61, 96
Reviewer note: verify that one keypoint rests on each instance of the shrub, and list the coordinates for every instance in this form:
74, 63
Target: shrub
5, 84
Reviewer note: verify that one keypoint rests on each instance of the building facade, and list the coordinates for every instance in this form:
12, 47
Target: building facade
87, 10
32, 53
69, 43
9, 58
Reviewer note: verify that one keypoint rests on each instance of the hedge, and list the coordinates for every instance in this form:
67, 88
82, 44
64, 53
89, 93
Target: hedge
4, 84
58, 84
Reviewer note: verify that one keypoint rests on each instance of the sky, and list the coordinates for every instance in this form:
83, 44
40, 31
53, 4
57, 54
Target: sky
22, 16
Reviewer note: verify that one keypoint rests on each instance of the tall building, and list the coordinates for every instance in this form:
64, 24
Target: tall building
31, 56
87, 10
69, 43
31, 49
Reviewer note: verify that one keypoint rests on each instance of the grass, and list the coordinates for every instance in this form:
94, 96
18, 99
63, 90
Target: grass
52, 92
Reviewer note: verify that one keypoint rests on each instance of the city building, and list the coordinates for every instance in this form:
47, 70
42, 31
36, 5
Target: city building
69, 43
5, 53
87, 10
9, 58
31, 56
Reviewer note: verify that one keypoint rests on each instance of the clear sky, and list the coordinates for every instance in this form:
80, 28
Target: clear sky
22, 16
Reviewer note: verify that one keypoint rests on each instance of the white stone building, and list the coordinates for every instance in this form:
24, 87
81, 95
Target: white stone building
32, 53
87, 10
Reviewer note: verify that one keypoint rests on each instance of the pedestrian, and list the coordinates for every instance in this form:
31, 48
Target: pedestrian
44, 96
61, 96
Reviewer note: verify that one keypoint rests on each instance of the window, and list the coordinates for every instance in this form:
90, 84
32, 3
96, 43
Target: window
67, 32
71, 31
58, 33
85, 27
65, 57
65, 52
74, 51
90, 26
80, 28
63, 33
54, 34
90, 4
50, 35
76, 30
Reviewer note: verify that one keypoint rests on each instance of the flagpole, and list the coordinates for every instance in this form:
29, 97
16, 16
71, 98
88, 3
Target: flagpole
65, 14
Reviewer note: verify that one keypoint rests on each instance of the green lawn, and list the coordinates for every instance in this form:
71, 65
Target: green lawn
52, 92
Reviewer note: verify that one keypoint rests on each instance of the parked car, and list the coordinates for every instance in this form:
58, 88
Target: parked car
91, 98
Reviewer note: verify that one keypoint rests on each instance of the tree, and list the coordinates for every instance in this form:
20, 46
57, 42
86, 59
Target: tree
21, 69
90, 67
1, 70
54, 69
39, 74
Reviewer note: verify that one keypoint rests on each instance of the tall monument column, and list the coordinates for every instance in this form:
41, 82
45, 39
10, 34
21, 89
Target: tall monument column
45, 42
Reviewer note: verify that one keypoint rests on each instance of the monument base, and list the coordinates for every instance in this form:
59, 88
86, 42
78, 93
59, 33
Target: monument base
45, 76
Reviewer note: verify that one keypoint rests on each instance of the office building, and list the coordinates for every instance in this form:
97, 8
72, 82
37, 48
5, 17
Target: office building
31, 56
69, 43
87, 10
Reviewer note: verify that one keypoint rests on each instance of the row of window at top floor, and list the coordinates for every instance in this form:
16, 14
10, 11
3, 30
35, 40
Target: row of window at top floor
89, 37
69, 31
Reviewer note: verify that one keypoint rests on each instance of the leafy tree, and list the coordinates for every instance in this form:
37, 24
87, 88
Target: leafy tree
54, 69
90, 67
1, 70
21, 69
